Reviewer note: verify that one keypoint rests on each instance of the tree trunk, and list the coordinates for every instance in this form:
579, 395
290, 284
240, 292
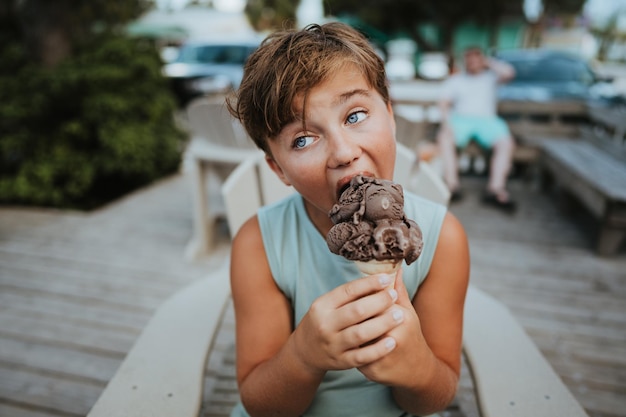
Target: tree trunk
45, 30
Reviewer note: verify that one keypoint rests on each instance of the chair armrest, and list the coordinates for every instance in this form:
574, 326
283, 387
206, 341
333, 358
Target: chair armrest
200, 148
162, 375
405, 162
511, 376
430, 185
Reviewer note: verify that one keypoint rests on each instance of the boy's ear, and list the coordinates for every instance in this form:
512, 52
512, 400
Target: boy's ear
393, 119
277, 169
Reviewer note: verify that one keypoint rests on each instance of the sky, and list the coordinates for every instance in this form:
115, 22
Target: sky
600, 10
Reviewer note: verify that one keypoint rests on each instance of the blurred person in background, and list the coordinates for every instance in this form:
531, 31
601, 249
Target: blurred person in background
468, 107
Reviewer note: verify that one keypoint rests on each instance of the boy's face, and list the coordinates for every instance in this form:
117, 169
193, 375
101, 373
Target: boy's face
349, 131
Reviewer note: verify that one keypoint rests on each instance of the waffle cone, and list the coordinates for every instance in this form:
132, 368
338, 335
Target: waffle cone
379, 267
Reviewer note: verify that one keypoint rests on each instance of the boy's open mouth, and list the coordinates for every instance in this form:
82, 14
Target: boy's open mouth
344, 183
342, 189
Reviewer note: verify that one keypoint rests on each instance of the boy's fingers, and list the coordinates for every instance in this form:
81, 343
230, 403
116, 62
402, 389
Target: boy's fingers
365, 308
403, 295
370, 353
361, 287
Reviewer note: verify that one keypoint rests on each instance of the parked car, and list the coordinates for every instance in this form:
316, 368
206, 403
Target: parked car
205, 67
548, 75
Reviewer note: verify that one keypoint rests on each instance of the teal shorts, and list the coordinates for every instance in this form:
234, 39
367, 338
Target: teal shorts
486, 130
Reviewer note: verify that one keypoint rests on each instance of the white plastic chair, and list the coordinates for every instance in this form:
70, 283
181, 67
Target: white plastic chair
162, 374
510, 375
217, 146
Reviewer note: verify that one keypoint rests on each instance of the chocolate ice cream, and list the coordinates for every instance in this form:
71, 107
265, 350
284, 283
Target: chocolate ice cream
371, 227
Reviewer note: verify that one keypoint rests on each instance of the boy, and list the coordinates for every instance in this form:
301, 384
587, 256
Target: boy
314, 337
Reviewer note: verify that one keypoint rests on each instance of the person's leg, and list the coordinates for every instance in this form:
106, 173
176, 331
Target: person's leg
454, 132
494, 133
501, 162
447, 150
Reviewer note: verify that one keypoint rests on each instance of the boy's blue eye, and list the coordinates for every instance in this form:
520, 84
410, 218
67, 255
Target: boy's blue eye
355, 117
302, 142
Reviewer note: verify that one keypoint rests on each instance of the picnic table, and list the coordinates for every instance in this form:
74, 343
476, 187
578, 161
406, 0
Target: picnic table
591, 170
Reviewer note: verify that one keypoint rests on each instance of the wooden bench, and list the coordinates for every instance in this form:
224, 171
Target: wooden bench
592, 170
532, 123
609, 125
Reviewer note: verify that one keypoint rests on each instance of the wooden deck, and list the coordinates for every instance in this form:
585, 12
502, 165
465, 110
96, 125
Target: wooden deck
76, 289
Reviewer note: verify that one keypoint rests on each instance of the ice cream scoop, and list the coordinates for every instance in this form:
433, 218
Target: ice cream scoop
371, 227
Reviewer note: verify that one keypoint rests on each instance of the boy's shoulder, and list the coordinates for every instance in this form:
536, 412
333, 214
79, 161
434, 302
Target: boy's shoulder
412, 198
286, 202
423, 210
278, 211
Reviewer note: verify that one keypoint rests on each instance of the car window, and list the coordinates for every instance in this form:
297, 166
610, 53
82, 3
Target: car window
215, 54
552, 69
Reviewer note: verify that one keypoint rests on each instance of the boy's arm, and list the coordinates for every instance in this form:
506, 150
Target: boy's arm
269, 377
424, 368
439, 304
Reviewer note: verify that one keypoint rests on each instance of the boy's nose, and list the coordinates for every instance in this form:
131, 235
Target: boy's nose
343, 150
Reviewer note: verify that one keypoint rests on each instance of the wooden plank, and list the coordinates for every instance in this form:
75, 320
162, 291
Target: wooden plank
102, 255
603, 403
45, 393
591, 164
46, 303
110, 304
568, 309
105, 340
85, 267
71, 278
146, 297
25, 410
73, 364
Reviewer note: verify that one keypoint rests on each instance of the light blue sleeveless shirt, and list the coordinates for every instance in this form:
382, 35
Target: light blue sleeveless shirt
304, 269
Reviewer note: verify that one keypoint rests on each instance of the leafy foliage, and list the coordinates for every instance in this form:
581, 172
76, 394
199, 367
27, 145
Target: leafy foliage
405, 16
271, 14
51, 30
572, 7
92, 128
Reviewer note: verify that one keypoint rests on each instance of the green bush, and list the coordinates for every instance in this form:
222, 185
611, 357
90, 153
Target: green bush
90, 130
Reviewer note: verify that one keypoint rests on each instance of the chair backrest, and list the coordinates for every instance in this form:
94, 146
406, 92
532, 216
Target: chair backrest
249, 187
210, 120
253, 184
427, 183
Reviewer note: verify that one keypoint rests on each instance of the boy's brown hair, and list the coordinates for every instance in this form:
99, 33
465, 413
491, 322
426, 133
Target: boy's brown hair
289, 63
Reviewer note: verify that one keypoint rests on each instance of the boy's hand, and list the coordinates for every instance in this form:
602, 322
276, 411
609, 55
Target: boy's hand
411, 353
343, 328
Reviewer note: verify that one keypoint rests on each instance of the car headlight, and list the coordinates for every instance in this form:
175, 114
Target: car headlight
175, 70
209, 85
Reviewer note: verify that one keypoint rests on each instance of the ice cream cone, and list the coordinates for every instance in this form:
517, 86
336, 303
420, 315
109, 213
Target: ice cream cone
390, 267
